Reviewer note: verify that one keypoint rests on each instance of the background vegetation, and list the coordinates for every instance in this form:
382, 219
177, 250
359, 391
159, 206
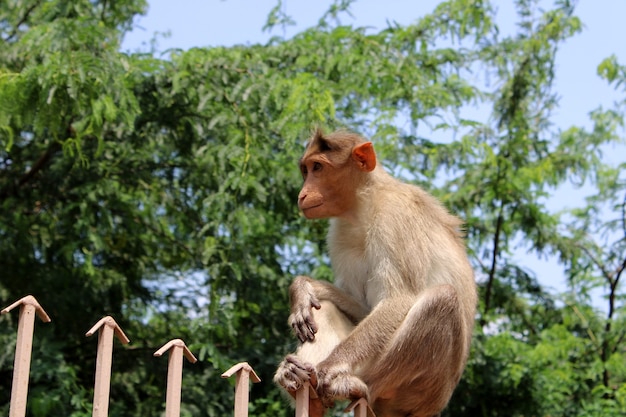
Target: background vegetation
161, 191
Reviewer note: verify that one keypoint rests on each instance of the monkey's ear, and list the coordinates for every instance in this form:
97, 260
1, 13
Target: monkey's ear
365, 156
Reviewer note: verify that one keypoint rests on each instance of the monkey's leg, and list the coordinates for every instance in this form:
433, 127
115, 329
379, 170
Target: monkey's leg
297, 368
409, 347
340, 374
420, 367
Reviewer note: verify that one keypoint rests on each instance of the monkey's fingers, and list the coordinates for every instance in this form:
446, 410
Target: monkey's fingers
303, 325
294, 360
293, 373
305, 332
311, 326
339, 384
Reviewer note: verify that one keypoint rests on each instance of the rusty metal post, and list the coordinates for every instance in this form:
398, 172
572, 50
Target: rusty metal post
177, 349
244, 373
107, 328
23, 351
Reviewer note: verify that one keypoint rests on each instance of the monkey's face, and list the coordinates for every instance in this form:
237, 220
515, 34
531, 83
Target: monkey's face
327, 190
333, 172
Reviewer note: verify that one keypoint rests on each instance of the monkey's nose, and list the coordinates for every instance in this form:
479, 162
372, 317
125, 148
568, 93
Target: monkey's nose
301, 199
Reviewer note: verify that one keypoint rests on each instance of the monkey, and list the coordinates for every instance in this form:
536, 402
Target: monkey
396, 325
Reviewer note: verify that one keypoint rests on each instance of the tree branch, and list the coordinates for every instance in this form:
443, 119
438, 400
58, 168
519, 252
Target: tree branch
11, 190
606, 274
22, 20
585, 324
103, 13
618, 343
624, 215
494, 258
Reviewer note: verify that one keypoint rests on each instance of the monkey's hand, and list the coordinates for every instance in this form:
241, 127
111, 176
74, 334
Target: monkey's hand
338, 382
303, 299
292, 373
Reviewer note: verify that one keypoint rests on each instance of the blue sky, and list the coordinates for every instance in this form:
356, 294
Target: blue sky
207, 23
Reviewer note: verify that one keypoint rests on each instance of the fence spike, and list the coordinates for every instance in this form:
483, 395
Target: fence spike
106, 327
361, 408
177, 349
23, 351
244, 373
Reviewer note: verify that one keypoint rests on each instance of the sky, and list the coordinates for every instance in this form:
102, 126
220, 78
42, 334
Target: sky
209, 23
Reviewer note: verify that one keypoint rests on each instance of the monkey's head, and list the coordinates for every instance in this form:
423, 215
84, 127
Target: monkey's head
334, 167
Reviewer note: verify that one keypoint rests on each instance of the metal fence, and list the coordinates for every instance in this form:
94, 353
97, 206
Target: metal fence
107, 329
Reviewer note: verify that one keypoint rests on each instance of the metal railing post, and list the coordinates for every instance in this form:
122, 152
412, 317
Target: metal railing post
177, 349
106, 327
244, 373
23, 351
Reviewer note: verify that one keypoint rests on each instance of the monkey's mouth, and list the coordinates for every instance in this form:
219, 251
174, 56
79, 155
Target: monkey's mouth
303, 209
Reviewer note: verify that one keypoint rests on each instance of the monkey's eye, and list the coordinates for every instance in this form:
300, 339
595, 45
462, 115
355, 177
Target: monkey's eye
304, 170
317, 166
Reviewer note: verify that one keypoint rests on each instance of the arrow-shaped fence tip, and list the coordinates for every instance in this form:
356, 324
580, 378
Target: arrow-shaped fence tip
177, 349
29, 300
242, 366
108, 321
23, 349
244, 373
177, 343
106, 328
361, 408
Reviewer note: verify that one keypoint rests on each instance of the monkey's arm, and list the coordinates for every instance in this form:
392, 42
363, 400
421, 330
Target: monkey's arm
306, 293
371, 335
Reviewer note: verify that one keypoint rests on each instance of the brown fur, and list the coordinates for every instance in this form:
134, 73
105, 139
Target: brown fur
396, 326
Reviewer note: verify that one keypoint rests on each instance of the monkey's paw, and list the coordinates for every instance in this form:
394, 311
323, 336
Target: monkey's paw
303, 301
339, 383
292, 373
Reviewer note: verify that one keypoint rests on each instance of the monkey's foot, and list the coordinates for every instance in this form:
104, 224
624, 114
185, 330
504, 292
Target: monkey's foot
293, 372
338, 383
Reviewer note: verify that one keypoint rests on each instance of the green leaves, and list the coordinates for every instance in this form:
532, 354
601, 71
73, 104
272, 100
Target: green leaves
74, 82
612, 71
163, 191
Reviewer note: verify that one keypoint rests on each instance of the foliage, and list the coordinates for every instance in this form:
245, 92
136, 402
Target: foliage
161, 191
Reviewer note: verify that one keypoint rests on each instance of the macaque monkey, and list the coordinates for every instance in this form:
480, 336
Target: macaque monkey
396, 326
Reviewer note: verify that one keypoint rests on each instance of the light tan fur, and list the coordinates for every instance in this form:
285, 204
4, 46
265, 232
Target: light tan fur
396, 326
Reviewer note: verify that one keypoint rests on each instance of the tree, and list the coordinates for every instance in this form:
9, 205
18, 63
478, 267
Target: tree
534, 356
161, 191
123, 175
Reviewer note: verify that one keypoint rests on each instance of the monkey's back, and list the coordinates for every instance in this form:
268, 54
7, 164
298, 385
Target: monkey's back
403, 241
